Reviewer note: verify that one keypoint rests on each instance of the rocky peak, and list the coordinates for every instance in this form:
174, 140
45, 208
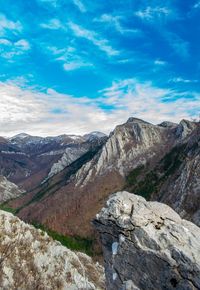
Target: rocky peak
94, 135
185, 128
21, 136
133, 144
135, 140
136, 120
146, 245
167, 124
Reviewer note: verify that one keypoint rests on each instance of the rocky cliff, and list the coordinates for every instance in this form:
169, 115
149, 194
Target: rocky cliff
147, 245
8, 190
30, 260
181, 190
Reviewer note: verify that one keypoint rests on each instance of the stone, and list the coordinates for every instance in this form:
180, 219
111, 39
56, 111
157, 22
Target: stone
146, 245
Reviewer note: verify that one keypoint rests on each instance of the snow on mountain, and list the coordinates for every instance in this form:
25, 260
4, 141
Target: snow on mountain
30, 259
94, 135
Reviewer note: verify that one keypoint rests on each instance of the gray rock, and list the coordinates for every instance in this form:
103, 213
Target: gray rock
146, 245
8, 190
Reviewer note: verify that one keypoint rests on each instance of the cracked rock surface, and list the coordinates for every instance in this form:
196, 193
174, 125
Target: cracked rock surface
146, 245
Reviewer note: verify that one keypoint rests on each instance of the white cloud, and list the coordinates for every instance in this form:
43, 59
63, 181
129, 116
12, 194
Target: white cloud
94, 38
80, 5
53, 24
73, 65
28, 110
143, 100
196, 5
115, 21
22, 44
181, 80
160, 62
9, 49
154, 13
6, 24
69, 57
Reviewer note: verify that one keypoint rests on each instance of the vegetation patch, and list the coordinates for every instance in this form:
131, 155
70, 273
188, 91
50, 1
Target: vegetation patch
132, 177
145, 183
84, 245
5, 207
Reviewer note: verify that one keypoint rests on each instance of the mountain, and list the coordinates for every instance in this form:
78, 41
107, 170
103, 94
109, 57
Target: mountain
30, 259
28, 160
68, 200
181, 189
175, 179
8, 190
146, 245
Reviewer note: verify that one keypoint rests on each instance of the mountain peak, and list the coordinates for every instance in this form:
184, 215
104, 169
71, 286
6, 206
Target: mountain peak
21, 135
167, 124
136, 120
94, 134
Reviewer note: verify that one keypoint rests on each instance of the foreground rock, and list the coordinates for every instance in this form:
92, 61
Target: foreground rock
8, 190
147, 245
30, 259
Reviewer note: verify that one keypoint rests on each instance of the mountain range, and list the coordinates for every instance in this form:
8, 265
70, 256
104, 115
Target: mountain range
67, 179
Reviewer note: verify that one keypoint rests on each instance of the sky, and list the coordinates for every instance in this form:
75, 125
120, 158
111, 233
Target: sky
76, 66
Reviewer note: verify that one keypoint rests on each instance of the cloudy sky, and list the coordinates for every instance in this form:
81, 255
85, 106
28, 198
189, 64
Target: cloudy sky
74, 66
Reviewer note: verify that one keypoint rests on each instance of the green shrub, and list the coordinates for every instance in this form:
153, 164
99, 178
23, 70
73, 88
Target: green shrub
84, 245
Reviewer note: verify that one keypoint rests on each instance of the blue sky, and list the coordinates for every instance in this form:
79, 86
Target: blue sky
73, 66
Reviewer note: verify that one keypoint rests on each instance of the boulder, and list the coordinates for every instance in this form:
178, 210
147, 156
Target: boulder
146, 245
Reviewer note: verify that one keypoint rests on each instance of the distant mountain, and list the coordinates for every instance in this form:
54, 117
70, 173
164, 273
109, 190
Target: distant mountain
67, 201
27, 160
94, 135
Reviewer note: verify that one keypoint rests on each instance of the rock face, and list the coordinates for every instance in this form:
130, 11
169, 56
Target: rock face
147, 245
181, 190
72, 153
8, 190
30, 259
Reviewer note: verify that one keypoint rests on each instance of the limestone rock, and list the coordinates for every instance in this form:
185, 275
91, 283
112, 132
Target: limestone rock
147, 245
30, 259
8, 190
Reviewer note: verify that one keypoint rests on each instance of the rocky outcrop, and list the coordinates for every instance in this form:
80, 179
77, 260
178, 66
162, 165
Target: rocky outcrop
147, 245
8, 190
30, 260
